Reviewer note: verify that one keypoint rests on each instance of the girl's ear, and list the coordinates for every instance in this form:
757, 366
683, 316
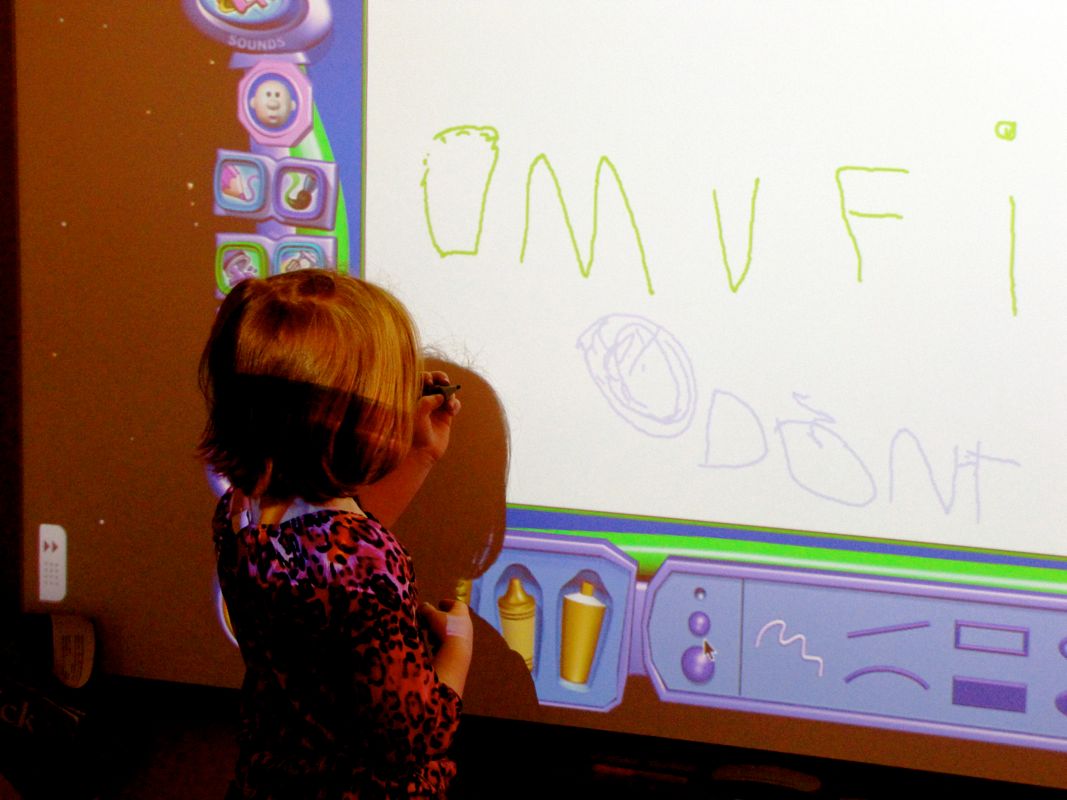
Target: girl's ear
264, 481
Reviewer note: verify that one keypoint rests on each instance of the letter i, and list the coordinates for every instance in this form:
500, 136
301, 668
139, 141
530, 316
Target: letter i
1006, 130
1011, 260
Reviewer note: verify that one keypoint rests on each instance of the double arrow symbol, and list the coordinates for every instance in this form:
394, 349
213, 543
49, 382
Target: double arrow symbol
49, 546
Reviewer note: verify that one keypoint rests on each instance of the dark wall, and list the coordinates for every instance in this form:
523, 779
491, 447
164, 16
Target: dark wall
10, 395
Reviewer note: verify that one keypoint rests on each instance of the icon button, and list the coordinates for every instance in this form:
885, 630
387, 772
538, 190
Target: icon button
274, 103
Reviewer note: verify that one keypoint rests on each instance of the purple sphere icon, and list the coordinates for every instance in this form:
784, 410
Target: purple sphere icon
698, 664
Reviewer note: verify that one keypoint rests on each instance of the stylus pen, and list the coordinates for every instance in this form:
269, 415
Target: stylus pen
447, 389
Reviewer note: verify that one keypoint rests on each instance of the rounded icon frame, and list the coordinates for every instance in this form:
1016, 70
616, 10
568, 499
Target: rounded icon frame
250, 14
299, 120
252, 200
262, 269
291, 250
314, 198
296, 27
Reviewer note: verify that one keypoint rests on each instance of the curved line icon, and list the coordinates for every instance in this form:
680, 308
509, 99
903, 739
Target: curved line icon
911, 676
780, 623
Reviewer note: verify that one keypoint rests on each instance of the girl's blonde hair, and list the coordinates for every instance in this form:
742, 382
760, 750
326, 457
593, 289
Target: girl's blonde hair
312, 380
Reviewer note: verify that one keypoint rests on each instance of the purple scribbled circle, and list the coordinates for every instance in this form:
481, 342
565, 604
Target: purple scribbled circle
697, 665
699, 623
643, 372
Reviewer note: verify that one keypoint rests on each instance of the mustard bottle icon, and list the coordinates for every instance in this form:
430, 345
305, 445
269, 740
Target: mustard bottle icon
518, 620
583, 616
463, 590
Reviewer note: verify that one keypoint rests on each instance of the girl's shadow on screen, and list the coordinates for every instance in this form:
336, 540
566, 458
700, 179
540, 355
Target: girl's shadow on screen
454, 529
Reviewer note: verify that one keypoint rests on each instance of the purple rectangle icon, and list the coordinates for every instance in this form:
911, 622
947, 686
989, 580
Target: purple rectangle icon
984, 637
995, 695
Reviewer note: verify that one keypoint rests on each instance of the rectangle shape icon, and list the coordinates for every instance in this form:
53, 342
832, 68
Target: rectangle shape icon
995, 695
984, 637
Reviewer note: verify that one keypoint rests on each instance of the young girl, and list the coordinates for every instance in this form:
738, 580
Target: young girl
317, 417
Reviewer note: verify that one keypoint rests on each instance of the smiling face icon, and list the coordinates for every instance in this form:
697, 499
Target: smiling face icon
275, 103
272, 103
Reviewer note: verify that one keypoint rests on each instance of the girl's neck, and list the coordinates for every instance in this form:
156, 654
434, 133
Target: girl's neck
273, 511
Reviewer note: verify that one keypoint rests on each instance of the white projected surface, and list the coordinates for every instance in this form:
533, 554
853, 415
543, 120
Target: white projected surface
786, 264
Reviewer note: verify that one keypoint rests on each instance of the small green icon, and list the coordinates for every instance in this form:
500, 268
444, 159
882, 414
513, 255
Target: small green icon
1006, 130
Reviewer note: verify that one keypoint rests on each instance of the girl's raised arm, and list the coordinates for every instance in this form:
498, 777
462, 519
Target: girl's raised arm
388, 497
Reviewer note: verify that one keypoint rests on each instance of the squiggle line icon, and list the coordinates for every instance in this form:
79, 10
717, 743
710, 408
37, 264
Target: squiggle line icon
780, 623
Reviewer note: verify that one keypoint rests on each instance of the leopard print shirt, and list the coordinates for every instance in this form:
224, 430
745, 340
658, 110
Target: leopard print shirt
340, 698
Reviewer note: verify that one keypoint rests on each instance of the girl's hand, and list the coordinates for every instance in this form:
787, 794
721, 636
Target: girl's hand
449, 618
449, 625
433, 419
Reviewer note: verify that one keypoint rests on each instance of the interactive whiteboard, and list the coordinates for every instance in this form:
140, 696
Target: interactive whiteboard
795, 265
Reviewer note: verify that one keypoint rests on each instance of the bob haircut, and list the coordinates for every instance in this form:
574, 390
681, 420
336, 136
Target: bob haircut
312, 380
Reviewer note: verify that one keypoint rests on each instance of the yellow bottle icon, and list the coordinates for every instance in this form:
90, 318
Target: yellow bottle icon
583, 615
463, 590
518, 620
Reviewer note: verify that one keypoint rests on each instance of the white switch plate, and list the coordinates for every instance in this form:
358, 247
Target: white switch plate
52, 564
